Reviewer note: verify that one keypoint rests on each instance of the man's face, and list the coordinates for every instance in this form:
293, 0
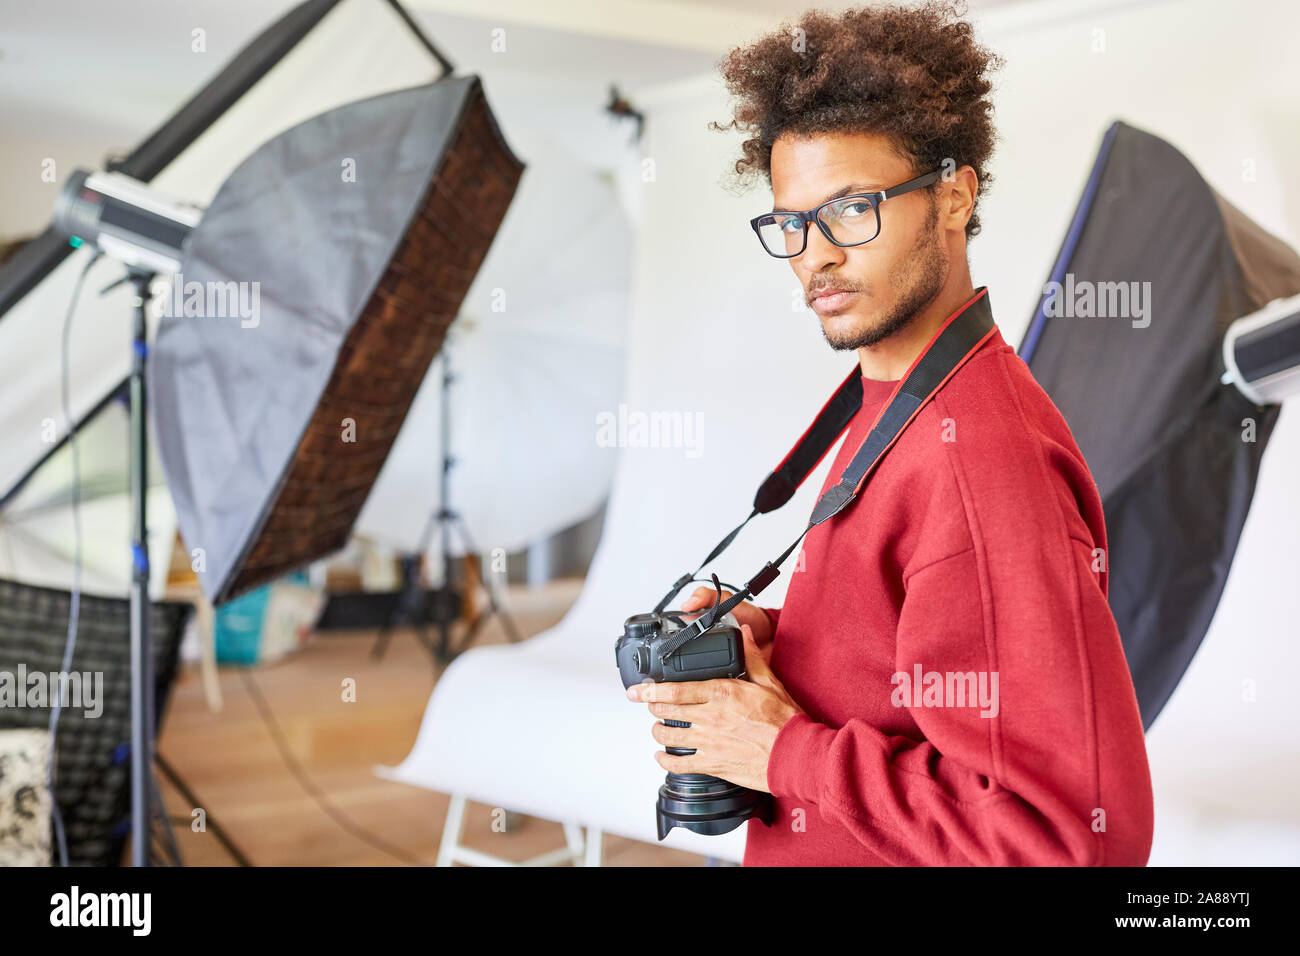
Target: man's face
889, 279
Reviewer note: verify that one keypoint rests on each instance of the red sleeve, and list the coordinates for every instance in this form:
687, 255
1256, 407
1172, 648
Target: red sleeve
773, 615
1058, 775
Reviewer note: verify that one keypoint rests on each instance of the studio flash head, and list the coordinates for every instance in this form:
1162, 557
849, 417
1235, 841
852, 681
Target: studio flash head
1261, 352
126, 220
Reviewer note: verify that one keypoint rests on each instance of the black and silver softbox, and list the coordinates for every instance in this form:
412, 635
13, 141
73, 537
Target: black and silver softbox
1173, 438
349, 242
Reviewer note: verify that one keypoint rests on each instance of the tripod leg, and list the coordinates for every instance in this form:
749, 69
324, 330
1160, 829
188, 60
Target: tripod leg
396, 615
161, 827
422, 635
444, 642
381, 643
496, 607
494, 604
175, 780
470, 633
409, 597
507, 622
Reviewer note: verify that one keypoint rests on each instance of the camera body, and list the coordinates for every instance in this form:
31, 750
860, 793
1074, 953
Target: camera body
694, 801
718, 652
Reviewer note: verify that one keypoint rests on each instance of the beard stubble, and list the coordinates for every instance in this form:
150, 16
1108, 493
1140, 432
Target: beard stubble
920, 285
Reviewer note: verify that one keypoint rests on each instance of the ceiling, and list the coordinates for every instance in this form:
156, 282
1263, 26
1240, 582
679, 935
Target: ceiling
124, 65
85, 79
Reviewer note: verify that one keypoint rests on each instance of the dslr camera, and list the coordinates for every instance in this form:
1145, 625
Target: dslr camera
647, 652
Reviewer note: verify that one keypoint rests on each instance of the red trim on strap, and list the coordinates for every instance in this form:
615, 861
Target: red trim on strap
920, 355
925, 401
857, 371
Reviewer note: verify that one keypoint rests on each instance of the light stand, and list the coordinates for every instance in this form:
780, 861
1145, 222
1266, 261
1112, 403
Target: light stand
145, 231
441, 605
142, 717
444, 519
144, 790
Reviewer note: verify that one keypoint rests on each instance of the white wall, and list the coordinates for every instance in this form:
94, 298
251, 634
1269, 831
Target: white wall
714, 332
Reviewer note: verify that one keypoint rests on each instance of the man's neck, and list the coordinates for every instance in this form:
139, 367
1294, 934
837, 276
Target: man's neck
887, 361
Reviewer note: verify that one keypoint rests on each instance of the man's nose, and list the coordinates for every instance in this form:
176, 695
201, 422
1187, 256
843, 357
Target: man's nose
820, 253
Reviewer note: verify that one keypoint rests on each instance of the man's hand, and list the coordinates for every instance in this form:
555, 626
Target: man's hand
745, 613
734, 723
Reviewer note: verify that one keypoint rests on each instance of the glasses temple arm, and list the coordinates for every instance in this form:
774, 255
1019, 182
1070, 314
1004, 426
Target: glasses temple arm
919, 183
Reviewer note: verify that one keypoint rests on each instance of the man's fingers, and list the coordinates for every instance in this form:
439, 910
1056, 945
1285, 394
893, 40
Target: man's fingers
674, 763
755, 663
702, 598
685, 692
692, 713
676, 736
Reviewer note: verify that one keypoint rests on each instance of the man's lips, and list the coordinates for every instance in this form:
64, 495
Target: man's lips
831, 300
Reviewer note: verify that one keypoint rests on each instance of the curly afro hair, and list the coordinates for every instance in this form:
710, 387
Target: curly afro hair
913, 73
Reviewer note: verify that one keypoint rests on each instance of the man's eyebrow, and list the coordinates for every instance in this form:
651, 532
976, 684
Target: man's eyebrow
843, 191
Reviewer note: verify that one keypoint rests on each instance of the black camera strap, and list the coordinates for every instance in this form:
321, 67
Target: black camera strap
957, 340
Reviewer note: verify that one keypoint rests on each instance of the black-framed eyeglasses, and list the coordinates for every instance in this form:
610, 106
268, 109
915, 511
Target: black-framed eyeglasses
846, 221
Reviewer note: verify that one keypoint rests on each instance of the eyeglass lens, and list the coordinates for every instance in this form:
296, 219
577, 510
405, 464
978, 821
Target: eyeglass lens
850, 221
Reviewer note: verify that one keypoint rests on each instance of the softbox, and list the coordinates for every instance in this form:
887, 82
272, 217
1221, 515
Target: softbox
317, 55
1174, 451
350, 241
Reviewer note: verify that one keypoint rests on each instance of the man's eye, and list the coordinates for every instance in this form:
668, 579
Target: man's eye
790, 225
859, 208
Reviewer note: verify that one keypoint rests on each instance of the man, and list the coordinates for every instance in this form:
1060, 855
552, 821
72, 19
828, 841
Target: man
945, 683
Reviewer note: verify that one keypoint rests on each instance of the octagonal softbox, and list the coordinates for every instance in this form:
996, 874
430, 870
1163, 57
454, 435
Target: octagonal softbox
1174, 451
313, 295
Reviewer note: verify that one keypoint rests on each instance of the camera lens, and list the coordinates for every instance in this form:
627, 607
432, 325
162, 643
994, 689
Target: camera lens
704, 804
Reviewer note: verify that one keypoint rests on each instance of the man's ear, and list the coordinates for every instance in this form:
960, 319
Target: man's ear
958, 199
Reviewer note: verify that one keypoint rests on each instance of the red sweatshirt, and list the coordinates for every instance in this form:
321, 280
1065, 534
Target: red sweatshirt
966, 566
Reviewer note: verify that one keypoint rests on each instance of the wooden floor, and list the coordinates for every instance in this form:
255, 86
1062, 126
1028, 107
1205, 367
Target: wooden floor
231, 763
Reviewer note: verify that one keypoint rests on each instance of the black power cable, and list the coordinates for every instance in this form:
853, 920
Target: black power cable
309, 785
74, 605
